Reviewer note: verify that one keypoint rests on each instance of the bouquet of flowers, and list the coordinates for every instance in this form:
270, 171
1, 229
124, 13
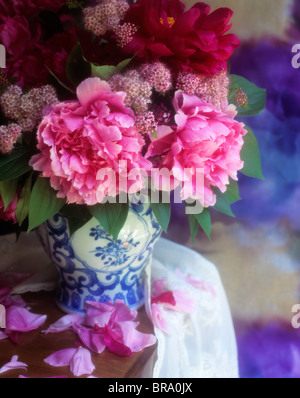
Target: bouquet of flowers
107, 102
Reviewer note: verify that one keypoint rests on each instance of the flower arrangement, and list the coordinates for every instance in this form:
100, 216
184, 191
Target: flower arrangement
104, 102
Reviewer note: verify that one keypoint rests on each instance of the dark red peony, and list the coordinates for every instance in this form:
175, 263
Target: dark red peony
189, 40
24, 53
28, 8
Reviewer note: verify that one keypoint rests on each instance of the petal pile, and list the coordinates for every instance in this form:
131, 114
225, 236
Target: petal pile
106, 325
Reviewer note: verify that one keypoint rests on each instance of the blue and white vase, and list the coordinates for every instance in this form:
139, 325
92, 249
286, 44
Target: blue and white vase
92, 266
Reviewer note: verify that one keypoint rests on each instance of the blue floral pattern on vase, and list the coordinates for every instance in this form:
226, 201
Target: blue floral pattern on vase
92, 266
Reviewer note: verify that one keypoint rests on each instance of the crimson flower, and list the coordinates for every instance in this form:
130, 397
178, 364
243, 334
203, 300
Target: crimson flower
28, 8
189, 40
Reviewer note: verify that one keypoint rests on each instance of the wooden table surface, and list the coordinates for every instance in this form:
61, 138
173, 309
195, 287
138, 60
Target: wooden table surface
33, 347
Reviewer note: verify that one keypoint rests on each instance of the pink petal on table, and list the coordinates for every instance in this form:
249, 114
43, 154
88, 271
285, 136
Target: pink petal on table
135, 340
81, 363
97, 313
13, 364
91, 338
64, 323
115, 344
19, 319
123, 313
61, 358
2, 335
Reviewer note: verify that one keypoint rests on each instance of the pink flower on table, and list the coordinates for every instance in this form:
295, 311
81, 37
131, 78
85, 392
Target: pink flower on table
89, 147
201, 152
78, 359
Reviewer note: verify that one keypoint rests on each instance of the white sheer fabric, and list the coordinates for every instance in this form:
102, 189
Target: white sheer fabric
201, 344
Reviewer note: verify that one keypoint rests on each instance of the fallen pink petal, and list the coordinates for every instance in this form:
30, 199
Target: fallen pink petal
13, 364
2, 335
79, 360
64, 323
81, 363
135, 340
61, 358
92, 338
19, 319
98, 313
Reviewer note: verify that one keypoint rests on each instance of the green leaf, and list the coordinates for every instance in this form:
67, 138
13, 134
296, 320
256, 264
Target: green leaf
204, 220
250, 154
77, 217
256, 96
162, 213
22, 210
194, 227
107, 71
15, 164
111, 216
223, 205
233, 193
44, 203
78, 69
8, 190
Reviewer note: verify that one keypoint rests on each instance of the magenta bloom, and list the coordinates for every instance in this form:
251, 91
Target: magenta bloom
192, 40
89, 147
202, 152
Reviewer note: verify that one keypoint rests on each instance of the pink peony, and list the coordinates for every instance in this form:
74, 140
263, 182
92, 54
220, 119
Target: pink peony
202, 152
89, 147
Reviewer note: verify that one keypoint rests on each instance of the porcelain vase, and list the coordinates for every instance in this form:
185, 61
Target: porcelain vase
92, 266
